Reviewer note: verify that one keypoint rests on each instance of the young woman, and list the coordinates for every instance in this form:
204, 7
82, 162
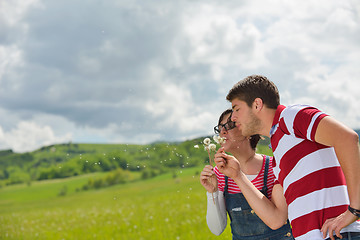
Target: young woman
254, 191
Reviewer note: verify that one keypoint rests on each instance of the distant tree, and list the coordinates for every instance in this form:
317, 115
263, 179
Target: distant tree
17, 175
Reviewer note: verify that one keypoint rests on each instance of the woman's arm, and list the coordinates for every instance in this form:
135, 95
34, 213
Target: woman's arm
216, 217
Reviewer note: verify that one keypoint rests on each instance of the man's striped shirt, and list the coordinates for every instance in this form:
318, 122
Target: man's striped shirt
310, 173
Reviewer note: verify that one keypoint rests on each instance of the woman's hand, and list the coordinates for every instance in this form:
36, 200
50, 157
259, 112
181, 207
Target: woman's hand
208, 179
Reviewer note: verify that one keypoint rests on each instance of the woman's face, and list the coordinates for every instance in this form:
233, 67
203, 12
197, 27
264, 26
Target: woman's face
234, 139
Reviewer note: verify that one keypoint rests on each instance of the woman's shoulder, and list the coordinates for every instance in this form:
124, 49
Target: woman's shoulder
272, 164
271, 160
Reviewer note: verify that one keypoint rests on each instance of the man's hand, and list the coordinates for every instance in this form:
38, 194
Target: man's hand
227, 165
335, 224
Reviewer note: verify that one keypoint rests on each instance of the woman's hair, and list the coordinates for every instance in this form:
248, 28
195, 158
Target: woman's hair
254, 139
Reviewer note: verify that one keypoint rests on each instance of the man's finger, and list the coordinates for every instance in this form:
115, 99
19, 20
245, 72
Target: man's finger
220, 150
324, 228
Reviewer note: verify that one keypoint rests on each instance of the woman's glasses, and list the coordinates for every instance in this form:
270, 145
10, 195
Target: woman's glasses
227, 126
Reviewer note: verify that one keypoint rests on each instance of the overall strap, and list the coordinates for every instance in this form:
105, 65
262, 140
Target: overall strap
266, 171
226, 184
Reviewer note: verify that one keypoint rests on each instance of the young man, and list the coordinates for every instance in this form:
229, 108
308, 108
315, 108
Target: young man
317, 159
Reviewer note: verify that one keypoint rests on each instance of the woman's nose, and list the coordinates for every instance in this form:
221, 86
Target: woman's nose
223, 132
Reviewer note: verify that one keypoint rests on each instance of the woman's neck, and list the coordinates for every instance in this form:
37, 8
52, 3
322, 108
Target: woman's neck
250, 162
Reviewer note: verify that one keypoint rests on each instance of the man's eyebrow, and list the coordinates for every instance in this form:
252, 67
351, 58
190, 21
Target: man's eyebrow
233, 106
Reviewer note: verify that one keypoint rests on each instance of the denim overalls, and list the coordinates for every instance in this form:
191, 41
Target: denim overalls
245, 224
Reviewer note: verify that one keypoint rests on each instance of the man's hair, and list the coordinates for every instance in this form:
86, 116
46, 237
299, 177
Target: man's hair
255, 86
254, 139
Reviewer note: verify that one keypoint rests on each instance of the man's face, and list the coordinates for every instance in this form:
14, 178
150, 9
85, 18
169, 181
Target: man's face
245, 119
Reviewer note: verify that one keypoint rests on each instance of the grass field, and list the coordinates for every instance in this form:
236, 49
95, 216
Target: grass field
160, 208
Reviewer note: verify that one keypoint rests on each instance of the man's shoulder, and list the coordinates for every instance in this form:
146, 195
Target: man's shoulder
296, 107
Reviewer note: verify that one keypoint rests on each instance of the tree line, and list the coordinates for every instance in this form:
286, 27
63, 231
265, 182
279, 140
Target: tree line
67, 160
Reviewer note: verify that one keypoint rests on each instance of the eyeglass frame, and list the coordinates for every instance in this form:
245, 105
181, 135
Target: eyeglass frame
226, 125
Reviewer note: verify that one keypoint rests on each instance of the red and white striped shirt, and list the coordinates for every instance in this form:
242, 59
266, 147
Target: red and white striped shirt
310, 173
258, 181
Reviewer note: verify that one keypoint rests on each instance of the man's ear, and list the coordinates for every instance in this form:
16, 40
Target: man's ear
258, 104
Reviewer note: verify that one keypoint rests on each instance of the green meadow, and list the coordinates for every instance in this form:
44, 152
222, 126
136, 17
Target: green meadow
168, 206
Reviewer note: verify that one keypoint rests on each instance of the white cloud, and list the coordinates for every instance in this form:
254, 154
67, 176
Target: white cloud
123, 71
218, 36
10, 57
11, 12
28, 136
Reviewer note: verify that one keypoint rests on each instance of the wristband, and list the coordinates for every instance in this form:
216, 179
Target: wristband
354, 211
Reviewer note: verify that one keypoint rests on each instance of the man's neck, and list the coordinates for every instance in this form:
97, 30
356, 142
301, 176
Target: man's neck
267, 118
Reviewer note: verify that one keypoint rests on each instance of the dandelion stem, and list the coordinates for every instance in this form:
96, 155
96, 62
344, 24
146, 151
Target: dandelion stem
210, 160
211, 163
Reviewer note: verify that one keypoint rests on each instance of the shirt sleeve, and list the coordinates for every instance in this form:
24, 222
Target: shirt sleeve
216, 217
302, 121
220, 178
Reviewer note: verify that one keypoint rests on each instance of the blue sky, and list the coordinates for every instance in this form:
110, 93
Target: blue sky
126, 71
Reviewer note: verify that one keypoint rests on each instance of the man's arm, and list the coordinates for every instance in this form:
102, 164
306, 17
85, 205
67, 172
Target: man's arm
273, 213
346, 145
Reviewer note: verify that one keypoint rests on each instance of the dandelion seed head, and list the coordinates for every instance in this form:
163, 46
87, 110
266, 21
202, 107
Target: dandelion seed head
207, 141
